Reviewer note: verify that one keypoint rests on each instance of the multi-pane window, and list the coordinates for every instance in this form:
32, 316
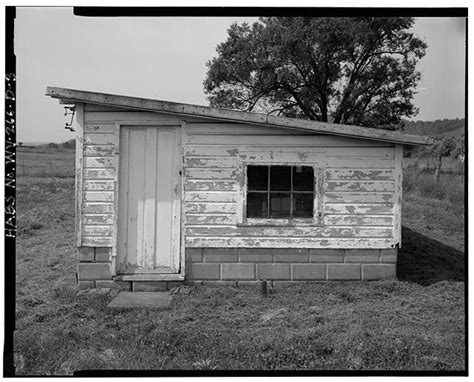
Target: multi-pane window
280, 192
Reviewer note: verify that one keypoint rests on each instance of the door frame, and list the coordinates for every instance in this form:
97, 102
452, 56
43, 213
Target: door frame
181, 125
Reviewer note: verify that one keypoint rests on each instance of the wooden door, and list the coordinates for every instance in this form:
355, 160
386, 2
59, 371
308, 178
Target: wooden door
149, 200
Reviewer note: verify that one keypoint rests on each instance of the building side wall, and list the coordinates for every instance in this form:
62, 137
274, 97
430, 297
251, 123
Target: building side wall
358, 196
357, 188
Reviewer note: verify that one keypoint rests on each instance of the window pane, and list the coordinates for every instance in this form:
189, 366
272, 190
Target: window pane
280, 205
303, 205
257, 178
257, 205
280, 178
303, 178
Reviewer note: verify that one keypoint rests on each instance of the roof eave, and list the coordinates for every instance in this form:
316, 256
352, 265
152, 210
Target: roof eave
74, 96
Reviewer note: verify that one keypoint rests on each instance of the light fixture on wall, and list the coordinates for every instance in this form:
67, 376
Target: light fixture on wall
69, 110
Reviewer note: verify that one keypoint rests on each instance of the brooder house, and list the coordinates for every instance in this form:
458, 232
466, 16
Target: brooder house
169, 192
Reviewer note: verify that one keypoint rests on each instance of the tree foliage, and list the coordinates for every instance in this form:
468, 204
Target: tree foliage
450, 146
359, 71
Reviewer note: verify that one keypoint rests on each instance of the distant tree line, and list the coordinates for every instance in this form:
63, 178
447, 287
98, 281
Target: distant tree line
434, 128
70, 144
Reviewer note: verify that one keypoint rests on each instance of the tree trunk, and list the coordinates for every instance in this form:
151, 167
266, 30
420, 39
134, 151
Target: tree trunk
438, 169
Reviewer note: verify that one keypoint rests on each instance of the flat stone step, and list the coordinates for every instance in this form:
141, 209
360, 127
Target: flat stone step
150, 277
150, 300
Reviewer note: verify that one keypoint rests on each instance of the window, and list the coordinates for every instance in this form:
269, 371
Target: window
280, 192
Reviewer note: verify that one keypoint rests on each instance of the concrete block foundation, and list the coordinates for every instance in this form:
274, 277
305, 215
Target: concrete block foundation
245, 266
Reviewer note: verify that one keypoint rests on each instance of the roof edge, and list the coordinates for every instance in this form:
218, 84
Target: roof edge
145, 104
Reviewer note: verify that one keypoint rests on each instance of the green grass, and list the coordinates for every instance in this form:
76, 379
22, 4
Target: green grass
413, 323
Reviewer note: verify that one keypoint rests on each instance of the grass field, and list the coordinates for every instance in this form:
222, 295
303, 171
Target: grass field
413, 323
44, 162
435, 210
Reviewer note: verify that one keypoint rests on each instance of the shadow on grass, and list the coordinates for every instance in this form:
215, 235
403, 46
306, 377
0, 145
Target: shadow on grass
425, 261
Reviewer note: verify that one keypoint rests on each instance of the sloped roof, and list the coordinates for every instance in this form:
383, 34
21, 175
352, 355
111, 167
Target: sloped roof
228, 115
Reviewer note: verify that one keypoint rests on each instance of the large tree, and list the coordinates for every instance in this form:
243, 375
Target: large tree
359, 71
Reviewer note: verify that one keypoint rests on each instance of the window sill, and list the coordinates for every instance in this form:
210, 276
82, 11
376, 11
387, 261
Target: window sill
278, 223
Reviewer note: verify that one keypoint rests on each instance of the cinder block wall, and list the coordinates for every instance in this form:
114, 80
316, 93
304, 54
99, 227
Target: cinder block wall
220, 266
246, 265
94, 268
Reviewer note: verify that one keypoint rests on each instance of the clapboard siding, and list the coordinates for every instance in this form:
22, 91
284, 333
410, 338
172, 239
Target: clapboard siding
98, 196
359, 209
100, 127
97, 219
99, 139
210, 208
99, 162
288, 140
248, 134
97, 208
287, 242
359, 162
268, 155
99, 151
357, 220
210, 151
229, 150
211, 196
216, 128
358, 182
97, 241
211, 173
227, 219
97, 230
210, 185
302, 232
99, 173
357, 174
99, 185
219, 162
357, 198
366, 152
357, 185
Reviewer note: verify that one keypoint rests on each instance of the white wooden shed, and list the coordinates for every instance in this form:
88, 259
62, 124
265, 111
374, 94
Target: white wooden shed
169, 192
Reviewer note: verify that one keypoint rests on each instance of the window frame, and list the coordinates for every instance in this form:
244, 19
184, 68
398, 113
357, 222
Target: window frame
315, 220
291, 192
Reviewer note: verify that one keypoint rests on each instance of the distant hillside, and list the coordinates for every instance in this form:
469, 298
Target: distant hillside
440, 130
437, 129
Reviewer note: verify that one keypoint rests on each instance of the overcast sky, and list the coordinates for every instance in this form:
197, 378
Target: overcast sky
164, 58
